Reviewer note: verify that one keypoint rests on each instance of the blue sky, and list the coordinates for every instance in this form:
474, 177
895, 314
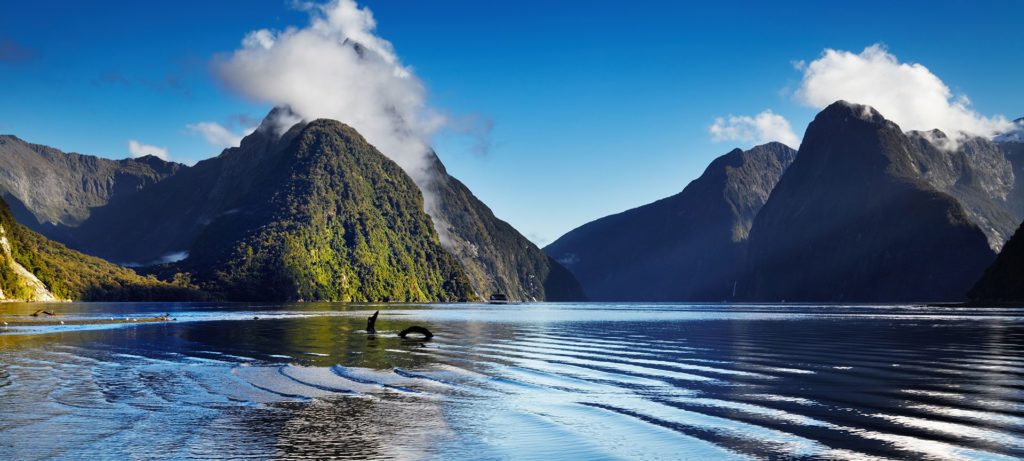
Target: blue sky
596, 106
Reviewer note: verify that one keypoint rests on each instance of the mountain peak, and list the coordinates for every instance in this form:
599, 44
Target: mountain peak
279, 120
846, 109
771, 146
272, 128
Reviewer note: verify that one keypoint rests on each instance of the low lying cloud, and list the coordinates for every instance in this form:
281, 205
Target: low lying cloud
137, 149
337, 67
764, 127
906, 93
218, 135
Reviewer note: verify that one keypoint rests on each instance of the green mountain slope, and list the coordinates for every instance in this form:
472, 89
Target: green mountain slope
34, 268
348, 225
314, 214
204, 212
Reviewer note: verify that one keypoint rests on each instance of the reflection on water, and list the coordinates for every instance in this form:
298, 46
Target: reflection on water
577, 381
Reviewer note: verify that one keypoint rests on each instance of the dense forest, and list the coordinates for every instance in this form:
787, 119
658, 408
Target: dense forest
71, 275
343, 223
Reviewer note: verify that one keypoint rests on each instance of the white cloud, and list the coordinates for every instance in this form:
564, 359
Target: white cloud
906, 93
217, 135
137, 149
761, 128
337, 67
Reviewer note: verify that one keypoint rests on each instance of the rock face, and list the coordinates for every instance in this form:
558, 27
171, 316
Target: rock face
1003, 281
1014, 152
47, 188
852, 219
977, 173
20, 283
496, 257
688, 247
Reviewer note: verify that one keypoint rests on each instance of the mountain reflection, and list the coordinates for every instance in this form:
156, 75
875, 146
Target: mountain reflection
527, 381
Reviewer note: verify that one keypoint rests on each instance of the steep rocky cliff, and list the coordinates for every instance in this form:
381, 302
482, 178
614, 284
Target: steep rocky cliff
495, 256
47, 188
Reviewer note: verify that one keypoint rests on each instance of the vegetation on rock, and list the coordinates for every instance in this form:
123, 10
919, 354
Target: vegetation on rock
71, 275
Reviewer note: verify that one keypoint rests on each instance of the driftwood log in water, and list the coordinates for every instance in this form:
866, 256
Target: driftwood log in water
416, 329
371, 322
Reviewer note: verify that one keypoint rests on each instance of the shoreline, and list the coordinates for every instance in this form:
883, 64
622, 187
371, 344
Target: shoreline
54, 320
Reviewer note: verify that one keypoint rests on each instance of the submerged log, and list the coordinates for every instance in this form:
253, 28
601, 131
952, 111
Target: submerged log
416, 329
371, 322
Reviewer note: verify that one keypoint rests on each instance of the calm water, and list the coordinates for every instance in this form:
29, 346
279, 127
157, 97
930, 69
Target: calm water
553, 381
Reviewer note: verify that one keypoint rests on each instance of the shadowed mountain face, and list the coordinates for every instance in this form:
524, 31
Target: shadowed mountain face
495, 256
47, 188
853, 220
1003, 282
687, 247
162, 223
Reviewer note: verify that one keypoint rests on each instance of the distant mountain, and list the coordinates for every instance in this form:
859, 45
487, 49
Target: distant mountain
496, 257
1003, 281
34, 268
1014, 135
978, 174
688, 247
47, 188
853, 219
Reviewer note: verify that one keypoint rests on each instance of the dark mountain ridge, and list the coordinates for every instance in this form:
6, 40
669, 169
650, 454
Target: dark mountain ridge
688, 247
230, 190
852, 220
48, 189
1003, 281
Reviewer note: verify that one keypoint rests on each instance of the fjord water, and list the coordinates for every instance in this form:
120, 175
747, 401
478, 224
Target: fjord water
544, 381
